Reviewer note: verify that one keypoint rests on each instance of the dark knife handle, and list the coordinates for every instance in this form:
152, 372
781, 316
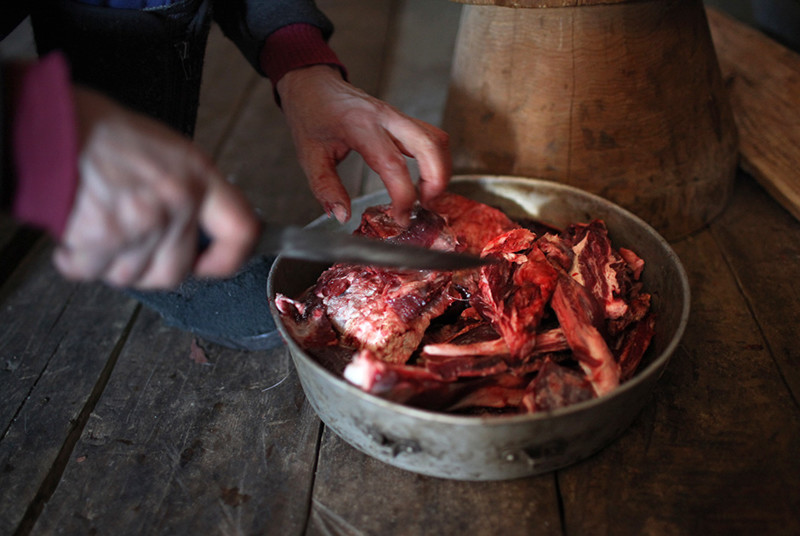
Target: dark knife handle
203, 241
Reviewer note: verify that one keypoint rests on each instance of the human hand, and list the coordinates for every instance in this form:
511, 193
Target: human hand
328, 117
143, 194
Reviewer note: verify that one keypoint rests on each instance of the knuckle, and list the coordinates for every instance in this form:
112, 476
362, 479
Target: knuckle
392, 164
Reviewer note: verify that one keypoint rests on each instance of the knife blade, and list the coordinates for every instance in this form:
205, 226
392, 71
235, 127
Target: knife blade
322, 245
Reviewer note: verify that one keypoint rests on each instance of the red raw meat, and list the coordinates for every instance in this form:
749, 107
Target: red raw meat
560, 319
387, 311
513, 293
577, 312
306, 321
598, 267
556, 387
632, 345
474, 223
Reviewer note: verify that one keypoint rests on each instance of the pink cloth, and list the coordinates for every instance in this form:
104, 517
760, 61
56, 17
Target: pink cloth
45, 146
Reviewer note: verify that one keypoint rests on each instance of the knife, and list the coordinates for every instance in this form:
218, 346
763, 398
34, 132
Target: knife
321, 245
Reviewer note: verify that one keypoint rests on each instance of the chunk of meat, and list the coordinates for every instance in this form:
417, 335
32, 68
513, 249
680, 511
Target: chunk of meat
475, 224
556, 387
632, 345
505, 391
426, 229
382, 310
576, 310
513, 293
599, 268
306, 322
419, 387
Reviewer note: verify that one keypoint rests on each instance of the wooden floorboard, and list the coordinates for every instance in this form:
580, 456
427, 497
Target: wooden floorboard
393, 501
228, 80
766, 274
717, 430
415, 81
186, 446
56, 341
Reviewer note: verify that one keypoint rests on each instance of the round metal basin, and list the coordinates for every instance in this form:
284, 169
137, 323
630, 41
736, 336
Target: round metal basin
499, 447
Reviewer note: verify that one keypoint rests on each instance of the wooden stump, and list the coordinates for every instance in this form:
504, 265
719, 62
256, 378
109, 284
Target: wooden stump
623, 99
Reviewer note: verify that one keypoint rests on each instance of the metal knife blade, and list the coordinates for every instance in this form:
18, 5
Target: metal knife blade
330, 246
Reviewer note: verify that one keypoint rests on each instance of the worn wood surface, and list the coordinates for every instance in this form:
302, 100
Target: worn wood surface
113, 423
763, 78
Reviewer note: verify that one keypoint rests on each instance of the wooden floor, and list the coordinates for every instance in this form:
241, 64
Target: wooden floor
109, 426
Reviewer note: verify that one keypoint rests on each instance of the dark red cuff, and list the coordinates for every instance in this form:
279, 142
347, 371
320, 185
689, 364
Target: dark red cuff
45, 145
293, 47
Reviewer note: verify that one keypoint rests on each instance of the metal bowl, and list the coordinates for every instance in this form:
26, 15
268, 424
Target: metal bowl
499, 447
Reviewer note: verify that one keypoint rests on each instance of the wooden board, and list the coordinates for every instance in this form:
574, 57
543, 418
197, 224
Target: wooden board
228, 80
713, 440
186, 445
57, 341
763, 78
763, 269
391, 501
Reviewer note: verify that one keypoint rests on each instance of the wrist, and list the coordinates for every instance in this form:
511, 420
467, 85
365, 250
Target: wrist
305, 77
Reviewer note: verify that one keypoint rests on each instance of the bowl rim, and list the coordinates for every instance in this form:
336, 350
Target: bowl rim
654, 367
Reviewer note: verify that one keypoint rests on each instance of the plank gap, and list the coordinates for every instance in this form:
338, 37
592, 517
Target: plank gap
562, 517
53, 478
310, 507
33, 385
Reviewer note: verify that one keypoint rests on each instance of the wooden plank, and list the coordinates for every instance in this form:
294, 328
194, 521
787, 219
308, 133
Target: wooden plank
356, 494
713, 453
540, 3
767, 270
231, 445
180, 446
764, 82
56, 341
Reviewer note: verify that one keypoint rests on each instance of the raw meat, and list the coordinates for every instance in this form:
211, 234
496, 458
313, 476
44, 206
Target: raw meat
562, 318
388, 311
513, 293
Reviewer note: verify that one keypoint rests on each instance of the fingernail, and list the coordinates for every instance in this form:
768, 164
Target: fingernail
338, 211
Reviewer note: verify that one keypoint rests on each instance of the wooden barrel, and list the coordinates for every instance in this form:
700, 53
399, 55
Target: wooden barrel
621, 98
